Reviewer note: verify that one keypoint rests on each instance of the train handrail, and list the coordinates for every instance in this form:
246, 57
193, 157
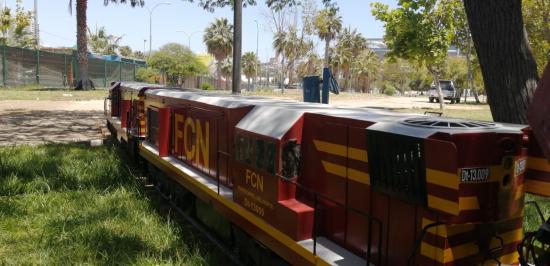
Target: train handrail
316, 197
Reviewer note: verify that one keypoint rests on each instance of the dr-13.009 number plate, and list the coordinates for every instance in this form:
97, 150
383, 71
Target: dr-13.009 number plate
474, 175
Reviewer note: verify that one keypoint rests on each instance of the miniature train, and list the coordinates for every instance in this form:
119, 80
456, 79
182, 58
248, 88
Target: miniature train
304, 184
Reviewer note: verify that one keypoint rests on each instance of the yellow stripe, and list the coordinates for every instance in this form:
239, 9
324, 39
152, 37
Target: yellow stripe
358, 154
468, 203
441, 178
443, 205
538, 164
508, 259
448, 254
334, 169
537, 187
519, 192
508, 237
331, 148
341, 150
447, 230
266, 228
341, 171
358, 176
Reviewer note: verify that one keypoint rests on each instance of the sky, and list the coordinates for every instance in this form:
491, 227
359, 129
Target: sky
58, 26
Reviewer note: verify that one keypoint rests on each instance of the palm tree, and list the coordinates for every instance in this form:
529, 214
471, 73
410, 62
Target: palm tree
365, 67
218, 37
291, 47
82, 40
103, 43
350, 45
226, 71
328, 23
249, 63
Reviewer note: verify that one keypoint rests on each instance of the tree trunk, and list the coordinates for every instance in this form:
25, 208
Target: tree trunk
435, 74
327, 49
219, 74
282, 82
507, 64
82, 45
237, 43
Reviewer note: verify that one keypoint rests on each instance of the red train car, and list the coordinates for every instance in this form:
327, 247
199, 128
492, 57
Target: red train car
324, 185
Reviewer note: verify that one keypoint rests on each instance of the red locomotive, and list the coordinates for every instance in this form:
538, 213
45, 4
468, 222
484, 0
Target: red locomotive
312, 184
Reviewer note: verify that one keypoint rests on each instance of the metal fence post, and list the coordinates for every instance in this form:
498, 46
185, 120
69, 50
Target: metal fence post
65, 80
134, 61
104, 73
37, 66
120, 71
4, 65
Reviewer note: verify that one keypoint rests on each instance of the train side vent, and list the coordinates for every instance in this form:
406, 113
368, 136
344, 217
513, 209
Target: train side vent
448, 123
396, 166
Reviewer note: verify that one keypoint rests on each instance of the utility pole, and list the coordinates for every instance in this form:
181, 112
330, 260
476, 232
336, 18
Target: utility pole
257, 56
237, 45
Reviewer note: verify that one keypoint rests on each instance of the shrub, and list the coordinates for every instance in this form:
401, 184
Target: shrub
389, 90
207, 86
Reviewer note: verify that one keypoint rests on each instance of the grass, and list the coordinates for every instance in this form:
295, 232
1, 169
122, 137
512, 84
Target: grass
73, 204
483, 113
52, 94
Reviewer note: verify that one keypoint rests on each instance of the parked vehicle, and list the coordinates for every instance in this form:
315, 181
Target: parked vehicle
448, 89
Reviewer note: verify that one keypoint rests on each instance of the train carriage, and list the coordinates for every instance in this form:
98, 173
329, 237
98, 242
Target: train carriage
316, 184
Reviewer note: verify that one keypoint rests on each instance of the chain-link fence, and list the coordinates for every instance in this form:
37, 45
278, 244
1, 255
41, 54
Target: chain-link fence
21, 67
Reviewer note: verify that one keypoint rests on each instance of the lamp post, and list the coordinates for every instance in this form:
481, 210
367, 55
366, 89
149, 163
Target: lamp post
257, 55
189, 36
144, 42
151, 23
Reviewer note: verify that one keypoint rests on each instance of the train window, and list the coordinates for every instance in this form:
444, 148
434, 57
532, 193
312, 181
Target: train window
291, 159
152, 126
244, 149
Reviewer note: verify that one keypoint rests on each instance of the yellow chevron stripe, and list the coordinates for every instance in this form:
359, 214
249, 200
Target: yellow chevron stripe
358, 154
448, 254
519, 192
537, 187
341, 150
443, 205
508, 237
359, 176
440, 178
468, 203
447, 230
538, 164
508, 259
341, 171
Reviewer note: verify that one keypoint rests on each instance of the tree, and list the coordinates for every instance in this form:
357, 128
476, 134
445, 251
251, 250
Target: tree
507, 64
177, 62
311, 66
328, 23
82, 40
536, 15
227, 71
419, 32
291, 47
15, 29
103, 43
366, 66
218, 37
125, 51
249, 64
350, 44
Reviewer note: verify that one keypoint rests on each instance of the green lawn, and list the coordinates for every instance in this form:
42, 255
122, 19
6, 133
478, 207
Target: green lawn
482, 113
73, 204
52, 94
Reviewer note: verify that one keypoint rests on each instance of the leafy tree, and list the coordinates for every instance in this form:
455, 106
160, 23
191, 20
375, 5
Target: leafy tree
103, 43
125, 51
249, 64
328, 23
227, 71
350, 45
82, 40
218, 37
366, 66
420, 33
147, 74
15, 29
177, 62
536, 15
291, 47
311, 66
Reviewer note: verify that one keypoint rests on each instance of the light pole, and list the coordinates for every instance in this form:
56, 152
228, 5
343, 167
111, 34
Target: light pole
151, 23
144, 42
189, 36
257, 55
36, 30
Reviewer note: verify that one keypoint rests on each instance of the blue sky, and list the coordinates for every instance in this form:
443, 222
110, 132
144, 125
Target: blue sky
58, 27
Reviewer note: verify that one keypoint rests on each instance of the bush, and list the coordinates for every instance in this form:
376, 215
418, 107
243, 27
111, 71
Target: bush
147, 74
207, 86
389, 90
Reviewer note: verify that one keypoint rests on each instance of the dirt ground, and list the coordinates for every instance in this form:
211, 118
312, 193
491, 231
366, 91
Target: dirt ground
39, 122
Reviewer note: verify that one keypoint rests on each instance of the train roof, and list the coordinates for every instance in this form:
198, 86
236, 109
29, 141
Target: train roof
274, 117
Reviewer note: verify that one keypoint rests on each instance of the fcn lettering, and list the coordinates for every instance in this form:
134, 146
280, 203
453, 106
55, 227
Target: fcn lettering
192, 140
